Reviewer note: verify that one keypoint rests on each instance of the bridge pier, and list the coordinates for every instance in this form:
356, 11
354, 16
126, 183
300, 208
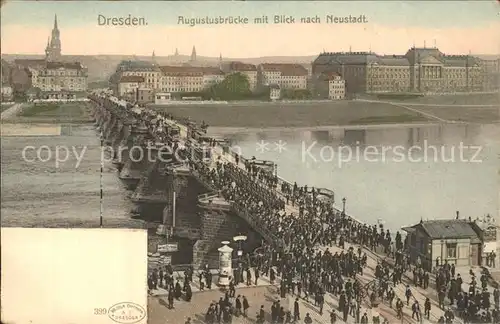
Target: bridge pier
113, 123
182, 217
136, 159
151, 194
116, 135
217, 224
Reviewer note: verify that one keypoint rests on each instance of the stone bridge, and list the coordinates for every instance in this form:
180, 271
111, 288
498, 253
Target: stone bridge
153, 155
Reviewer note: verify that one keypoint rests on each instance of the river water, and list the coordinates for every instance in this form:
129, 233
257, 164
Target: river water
43, 194
394, 187
396, 190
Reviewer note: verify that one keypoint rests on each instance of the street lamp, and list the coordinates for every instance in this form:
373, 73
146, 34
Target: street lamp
239, 239
343, 204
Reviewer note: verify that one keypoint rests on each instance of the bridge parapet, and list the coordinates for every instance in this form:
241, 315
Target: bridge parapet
213, 201
241, 211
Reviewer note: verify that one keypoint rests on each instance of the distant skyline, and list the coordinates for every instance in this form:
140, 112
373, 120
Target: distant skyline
393, 27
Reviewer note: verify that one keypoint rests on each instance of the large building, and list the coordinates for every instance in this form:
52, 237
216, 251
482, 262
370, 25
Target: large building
419, 70
128, 84
54, 78
287, 76
148, 70
189, 78
329, 85
491, 74
168, 79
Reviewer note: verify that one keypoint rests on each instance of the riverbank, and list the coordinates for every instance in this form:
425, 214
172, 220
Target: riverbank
290, 115
338, 113
47, 113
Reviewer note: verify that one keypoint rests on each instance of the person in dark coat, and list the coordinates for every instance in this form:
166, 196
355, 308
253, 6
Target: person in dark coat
209, 279
272, 276
274, 312
296, 310
232, 289
249, 277
333, 317
262, 315
170, 298
238, 305
150, 284
281, 315
189, 293
246, 306
178, 290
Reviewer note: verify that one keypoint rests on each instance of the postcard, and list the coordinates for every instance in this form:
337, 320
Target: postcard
284, 161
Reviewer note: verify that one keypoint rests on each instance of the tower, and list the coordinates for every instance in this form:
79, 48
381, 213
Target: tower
193, 55
53, 50
220, 61
176, 52
153, 57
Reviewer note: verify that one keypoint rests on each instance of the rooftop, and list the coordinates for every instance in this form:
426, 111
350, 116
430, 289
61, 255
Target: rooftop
190, 70
412, 56
446, 229
131, 78
64, 65
240, 66
285, 69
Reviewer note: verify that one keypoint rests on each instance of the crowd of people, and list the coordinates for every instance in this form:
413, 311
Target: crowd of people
296, 253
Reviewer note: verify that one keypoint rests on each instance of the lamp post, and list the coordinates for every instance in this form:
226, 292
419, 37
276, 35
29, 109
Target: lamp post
239, 239
343, 204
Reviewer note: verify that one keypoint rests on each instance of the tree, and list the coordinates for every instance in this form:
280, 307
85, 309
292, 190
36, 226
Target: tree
234, 86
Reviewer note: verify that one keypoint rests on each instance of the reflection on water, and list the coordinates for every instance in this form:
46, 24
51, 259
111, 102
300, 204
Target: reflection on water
41, 194
399, 192
396, 174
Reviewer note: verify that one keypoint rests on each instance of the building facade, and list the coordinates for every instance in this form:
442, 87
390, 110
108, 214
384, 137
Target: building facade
189, 78
57, 76
249, 70
287, 76
423, 70
274, 92
147, 70
51, 77
329, 85
436, 242
491, 75
128, 85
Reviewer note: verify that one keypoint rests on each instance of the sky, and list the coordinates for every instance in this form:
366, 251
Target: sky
455, 27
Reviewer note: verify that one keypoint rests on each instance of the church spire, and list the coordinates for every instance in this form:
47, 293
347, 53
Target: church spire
176, 51
153, 56
193, 54
53, 50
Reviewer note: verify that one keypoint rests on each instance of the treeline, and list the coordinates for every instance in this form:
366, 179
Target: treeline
234, 87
